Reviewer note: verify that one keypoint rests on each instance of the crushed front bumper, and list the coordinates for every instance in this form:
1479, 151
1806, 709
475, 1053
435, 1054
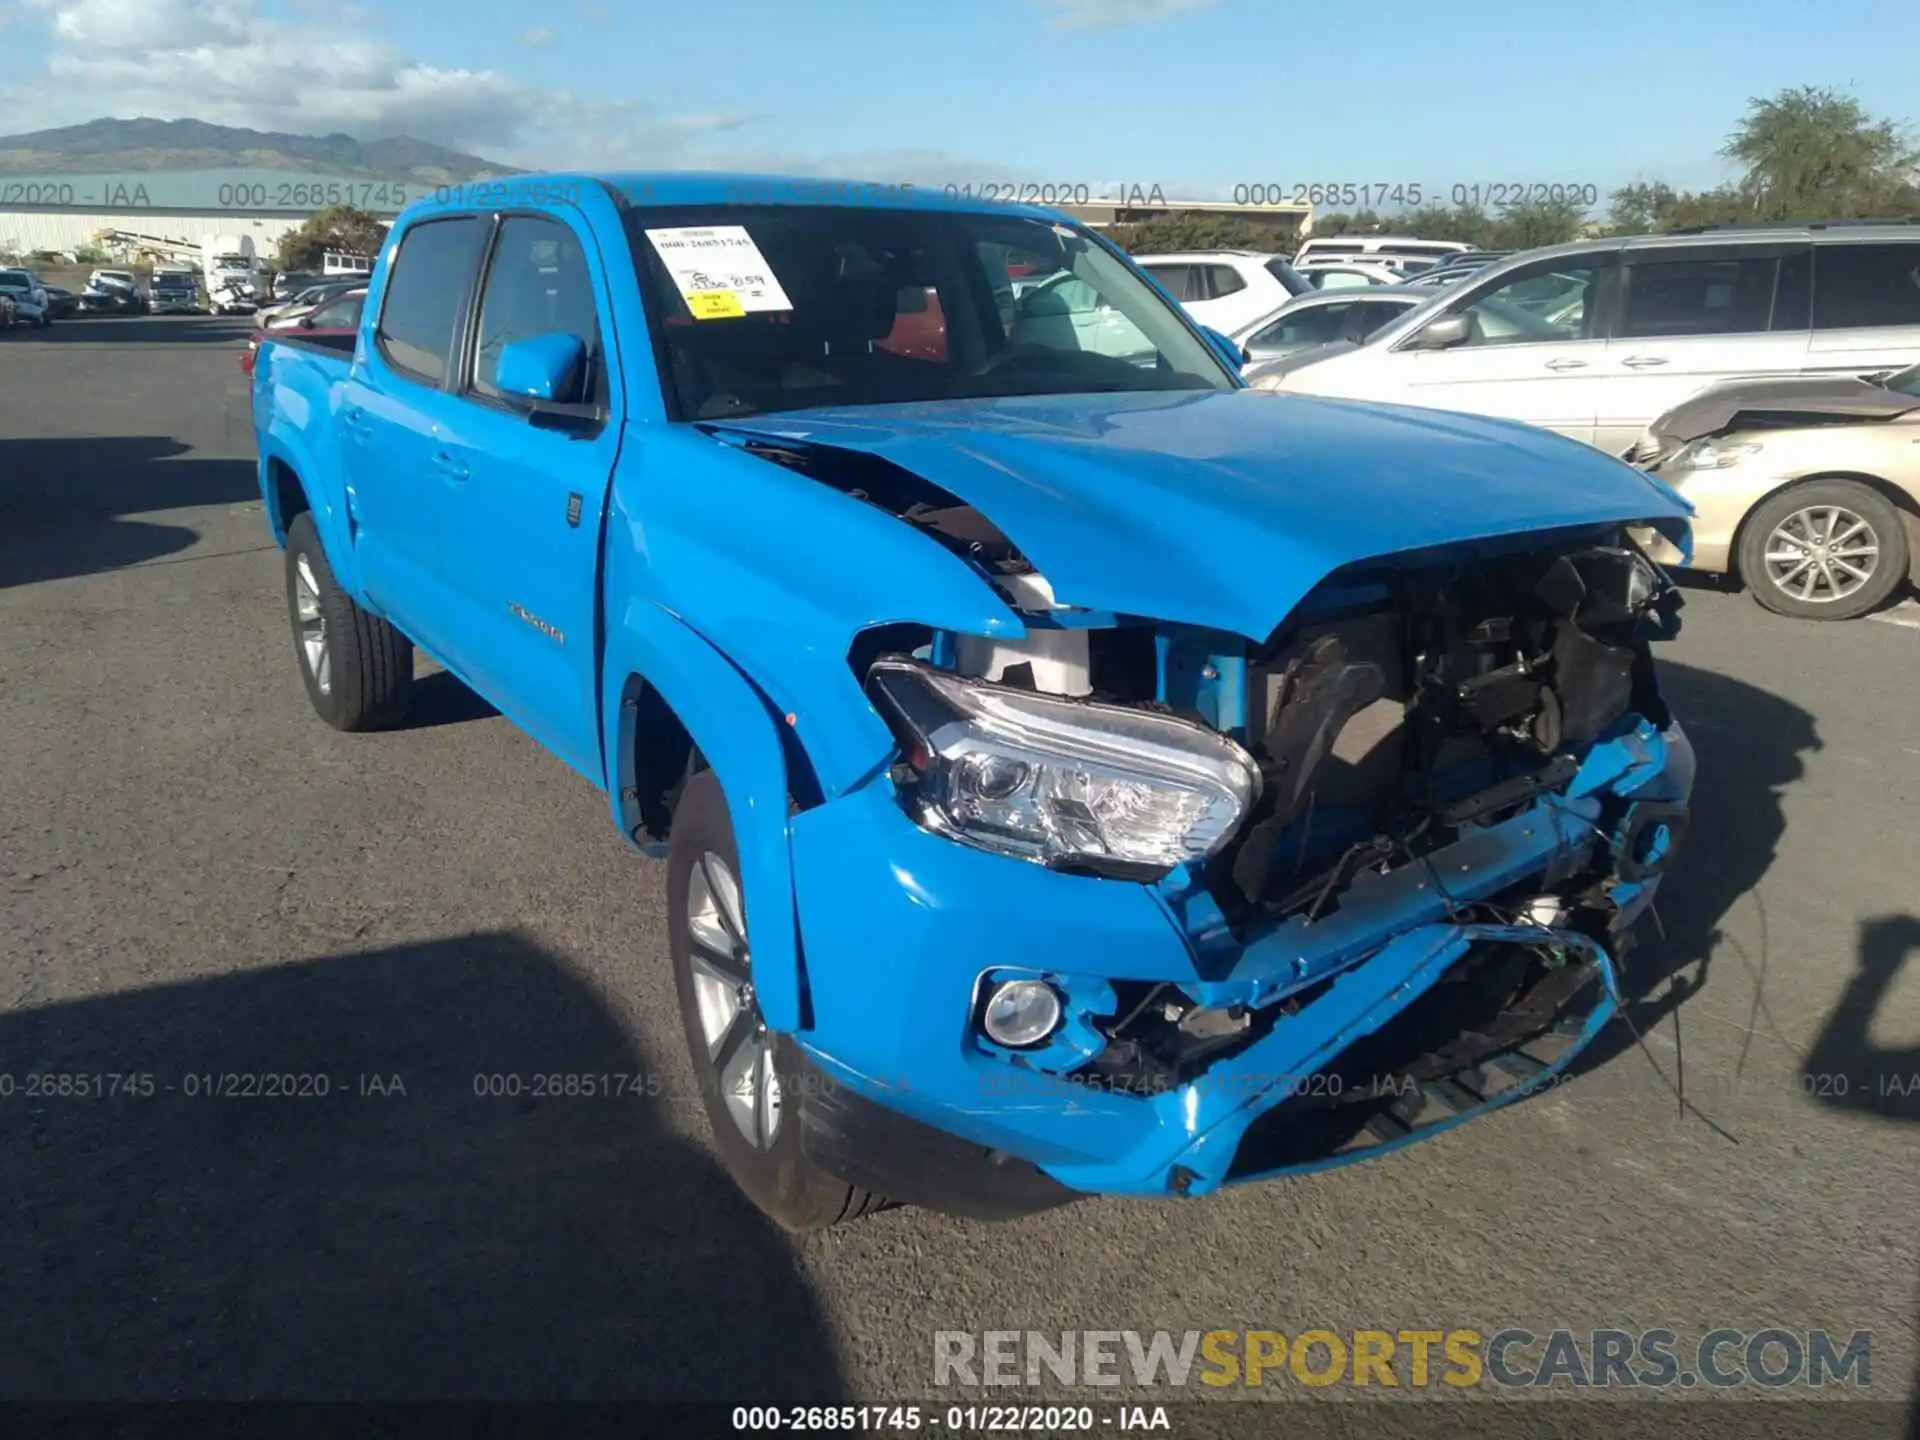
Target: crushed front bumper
899, 927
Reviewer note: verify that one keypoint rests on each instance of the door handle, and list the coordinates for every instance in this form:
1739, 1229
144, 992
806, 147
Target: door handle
449, 466
1566, 364
1643, 362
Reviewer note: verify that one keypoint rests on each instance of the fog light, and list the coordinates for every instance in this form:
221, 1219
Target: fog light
1021, 1013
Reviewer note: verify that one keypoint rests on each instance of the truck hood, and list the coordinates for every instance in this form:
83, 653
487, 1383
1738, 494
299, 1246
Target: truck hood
1810, 399
1224, 508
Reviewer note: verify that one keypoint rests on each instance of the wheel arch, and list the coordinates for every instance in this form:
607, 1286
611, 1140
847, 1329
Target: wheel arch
674, 701
285, 493
1895, 495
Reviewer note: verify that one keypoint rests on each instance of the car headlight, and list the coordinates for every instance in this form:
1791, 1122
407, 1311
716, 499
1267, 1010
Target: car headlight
1071, 784
1711, 455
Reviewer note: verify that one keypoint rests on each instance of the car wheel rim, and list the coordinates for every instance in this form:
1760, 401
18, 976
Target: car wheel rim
739, 1046
1822, 554
313, 625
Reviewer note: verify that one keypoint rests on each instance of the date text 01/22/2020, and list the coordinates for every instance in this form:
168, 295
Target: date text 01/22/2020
1487, 194
960, 1419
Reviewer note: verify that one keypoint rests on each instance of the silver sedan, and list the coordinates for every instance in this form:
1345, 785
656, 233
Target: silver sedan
1324, 317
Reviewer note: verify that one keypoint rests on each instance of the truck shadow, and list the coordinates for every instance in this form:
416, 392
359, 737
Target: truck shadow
410, 1233
1749, 745
1847, 1069
63, 502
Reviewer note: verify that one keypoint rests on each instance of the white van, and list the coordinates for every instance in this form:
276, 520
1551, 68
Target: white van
1596, 338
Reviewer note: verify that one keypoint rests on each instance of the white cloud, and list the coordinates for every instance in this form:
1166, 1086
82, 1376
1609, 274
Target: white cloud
538, 38
713, 120
1112, 14
225, 62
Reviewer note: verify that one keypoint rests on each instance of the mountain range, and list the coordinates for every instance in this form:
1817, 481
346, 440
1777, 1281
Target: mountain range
101, 146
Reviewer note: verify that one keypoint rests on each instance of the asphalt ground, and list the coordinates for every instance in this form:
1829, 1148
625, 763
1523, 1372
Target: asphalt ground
197, 877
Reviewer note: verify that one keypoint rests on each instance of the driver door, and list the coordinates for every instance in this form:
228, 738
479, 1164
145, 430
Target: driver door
1534, 351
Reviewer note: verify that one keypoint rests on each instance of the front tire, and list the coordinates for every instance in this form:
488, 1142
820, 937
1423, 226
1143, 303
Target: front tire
357, 667
755, 1083
1824, 550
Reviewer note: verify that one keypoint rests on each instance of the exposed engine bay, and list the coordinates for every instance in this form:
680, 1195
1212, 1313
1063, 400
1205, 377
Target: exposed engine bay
1439, 793
1402, 708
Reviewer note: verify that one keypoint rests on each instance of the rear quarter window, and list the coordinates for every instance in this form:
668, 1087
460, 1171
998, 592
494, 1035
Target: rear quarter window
1859, 287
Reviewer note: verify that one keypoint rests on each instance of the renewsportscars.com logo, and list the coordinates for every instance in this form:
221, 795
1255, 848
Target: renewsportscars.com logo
1413, 1359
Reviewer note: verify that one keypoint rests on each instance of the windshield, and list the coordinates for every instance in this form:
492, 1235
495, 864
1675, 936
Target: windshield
16, 279
770, 308
1905, 382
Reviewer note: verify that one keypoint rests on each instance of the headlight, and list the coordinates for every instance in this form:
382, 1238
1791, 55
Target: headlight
1066, 783
1711, 455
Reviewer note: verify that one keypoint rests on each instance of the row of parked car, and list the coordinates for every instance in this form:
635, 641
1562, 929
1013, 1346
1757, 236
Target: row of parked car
25, 299
1771, 374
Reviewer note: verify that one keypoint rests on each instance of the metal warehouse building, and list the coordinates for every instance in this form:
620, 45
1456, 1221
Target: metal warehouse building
142, 215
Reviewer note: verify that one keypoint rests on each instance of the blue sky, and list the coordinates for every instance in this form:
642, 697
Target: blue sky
1193, 95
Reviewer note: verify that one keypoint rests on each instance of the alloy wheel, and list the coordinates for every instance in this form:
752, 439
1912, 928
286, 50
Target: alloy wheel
739, 1045
313, 625
1821, 553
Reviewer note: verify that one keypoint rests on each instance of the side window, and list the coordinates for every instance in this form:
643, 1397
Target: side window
1865, 286
1697, 297
1312, 325
538, 283
1224, 280
1178, 279
426, 295
341, 314
1537, 306
1368, 316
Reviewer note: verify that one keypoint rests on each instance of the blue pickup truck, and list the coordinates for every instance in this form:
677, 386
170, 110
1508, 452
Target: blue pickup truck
1076, 772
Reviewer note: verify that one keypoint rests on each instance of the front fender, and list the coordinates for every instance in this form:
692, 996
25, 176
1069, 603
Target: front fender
730, 721
781, 572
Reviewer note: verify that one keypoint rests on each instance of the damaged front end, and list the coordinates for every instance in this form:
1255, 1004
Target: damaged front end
1400, 846
1154, 895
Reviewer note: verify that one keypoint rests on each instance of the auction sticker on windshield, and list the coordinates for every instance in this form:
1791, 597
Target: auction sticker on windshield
719, 270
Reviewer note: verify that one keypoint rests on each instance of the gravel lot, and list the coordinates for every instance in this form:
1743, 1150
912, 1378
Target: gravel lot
198, 877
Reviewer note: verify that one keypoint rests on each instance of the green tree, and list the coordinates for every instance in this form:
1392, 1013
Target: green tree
1813, 154
1549, 222
338, 227
1165, 234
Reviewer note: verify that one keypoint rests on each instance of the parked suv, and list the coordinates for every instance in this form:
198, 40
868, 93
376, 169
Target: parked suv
1596, 338
1227, 289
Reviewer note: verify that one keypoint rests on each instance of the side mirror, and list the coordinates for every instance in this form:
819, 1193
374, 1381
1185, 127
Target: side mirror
1444, 333
545, 368
1233, 356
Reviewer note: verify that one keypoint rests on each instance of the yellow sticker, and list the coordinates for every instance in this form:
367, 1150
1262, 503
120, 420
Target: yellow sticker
714, 304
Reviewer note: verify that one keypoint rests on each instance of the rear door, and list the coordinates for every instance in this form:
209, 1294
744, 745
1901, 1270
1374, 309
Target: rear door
533, 488
1866, 305
405, 486
1690, 315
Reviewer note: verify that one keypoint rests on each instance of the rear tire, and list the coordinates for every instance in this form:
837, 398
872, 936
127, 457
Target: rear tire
755, 1084
357, 667
1824, 550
